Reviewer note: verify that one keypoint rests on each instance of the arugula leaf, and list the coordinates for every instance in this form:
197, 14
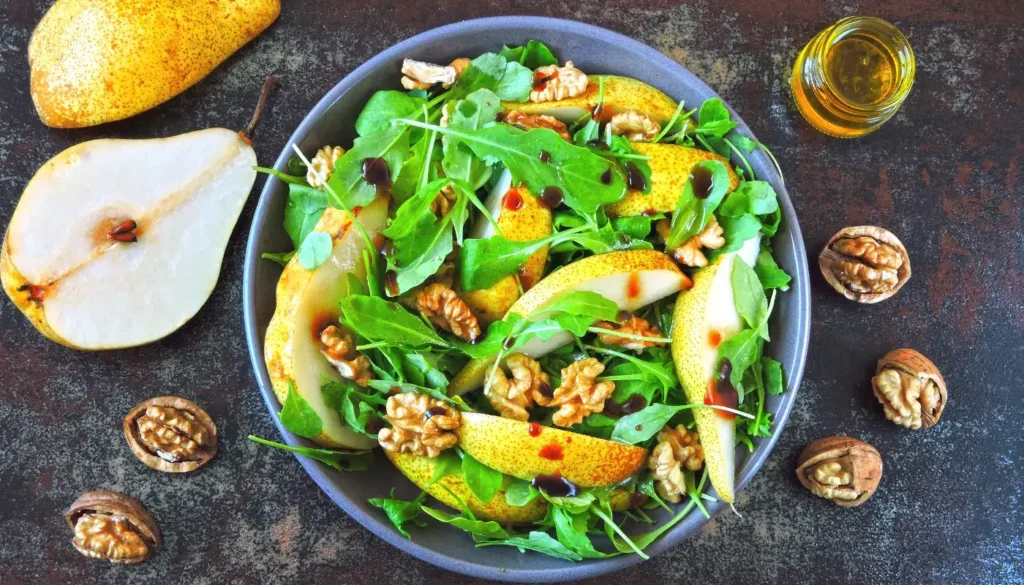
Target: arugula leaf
773, 381
571, 530
640, 426
753, 197
484, 262
386, 386
483, 481
533, 55
515, 84
448, 462
576, 171
420, 371
713, 118
408, 181
298, 416
736, 231
385, 106
381, 321
356, 408
494, 339
281, 258
597, 424
638, 227
769, 272
315, 250
478, 109
340, 460
537, 541
629, 381
585, 303
602, 241
742, 350
484, 71
486, 529
520, 492
400, 511
748, 295
692, 214
657, 369
348, 188
303, 210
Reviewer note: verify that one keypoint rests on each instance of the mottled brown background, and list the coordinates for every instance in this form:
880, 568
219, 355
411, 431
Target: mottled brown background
943, 175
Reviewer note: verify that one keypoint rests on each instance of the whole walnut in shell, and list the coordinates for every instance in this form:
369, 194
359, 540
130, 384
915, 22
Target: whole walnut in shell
910, 389
866, 264
841, 469
110, 525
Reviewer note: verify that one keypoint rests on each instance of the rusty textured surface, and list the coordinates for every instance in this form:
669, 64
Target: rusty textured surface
943, 175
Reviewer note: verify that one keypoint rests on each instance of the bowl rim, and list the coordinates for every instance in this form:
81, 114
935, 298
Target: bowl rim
321, 475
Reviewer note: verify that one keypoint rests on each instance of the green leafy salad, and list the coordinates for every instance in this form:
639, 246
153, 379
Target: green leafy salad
543, 293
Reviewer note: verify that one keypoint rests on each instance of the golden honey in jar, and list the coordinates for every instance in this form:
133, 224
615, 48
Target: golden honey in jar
853, 76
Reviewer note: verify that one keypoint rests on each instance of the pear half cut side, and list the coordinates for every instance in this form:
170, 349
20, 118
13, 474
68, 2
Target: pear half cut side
118, 243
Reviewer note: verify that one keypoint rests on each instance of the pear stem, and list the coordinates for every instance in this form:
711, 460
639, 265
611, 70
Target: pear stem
268, 85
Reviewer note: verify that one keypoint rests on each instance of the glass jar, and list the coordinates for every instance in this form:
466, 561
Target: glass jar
853, 76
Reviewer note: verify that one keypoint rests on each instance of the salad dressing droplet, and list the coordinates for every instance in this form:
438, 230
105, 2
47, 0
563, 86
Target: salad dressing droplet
552, 452
606, 177
635, 178
377, 173
702, 182
721, 391
555, 486
552, 196
513, 200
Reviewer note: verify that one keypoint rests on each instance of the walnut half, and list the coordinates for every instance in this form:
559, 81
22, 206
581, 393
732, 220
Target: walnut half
841, 469
420, 425
110, 525
171, 434
866, 264
910, 389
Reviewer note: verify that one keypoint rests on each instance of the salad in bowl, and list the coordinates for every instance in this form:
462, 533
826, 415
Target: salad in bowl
542, 293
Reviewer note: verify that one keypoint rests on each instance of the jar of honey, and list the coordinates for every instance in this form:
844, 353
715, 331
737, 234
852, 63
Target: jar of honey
853, 76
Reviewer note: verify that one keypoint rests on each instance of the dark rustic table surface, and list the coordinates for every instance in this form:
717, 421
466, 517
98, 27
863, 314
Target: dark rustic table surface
943, 175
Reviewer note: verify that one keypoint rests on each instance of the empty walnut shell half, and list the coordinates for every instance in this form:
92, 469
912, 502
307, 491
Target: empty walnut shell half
866, 264
910, 389
171, 434
841, 469
110, 525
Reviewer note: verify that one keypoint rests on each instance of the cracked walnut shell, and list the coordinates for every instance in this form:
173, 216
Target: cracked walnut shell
866, 264
841, 469
552, 83
171, 434
910, 388
420, 425
580, 394
110, 525
447, 311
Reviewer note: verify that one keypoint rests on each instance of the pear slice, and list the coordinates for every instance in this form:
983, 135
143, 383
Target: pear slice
521, 217
670, 169
525, 450
420, 470
632, 279
117, 243
307, 302
620, 94
704, 317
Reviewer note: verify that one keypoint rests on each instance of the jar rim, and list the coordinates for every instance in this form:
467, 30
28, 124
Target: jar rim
903, 51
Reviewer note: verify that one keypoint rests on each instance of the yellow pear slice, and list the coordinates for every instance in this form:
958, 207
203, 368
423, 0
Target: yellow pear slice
420, 470
620, 94
117, 243
632, 279
704, 317
525, 450
521, 217
307, 302
96, 61
670, 169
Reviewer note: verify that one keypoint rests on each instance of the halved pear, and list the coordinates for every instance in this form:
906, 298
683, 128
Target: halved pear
117, 243
420, 470
704, 317
670, 169
525, 450
307, 302
521, 217
632, 279
620, 94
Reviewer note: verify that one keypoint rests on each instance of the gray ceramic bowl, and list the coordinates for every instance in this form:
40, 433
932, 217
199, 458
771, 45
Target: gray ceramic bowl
594, 50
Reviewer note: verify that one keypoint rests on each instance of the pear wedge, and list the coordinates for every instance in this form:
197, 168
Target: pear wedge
632, 279
526, 450
521, 217
420, 470
307, 302
117, 243
670, 169
96, 61
620, 94
704, 317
